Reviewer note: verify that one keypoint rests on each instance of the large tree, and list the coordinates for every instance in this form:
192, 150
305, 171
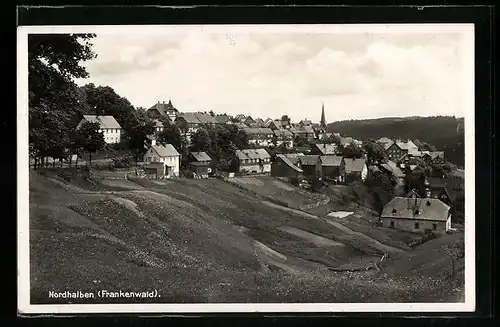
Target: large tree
171, 134
55, 103
136, 124
375, 152
200, 140
89, 139
352, 151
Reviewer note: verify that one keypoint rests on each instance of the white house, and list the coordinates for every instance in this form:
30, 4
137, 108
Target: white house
418, 215
254, 161
108, 126
166, 154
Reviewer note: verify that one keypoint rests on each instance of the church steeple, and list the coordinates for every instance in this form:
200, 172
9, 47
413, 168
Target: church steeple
322, 123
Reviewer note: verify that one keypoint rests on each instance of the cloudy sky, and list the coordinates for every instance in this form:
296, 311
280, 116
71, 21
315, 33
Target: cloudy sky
357, 74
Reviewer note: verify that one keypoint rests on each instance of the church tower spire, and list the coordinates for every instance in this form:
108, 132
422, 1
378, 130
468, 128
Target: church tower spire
322, 123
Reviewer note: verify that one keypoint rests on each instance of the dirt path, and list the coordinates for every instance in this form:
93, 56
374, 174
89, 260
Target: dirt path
376, 244
295, 211
380, 246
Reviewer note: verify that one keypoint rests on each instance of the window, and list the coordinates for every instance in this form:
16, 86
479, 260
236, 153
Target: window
417, 212
434, 226
417, 226
392, 224
393, 212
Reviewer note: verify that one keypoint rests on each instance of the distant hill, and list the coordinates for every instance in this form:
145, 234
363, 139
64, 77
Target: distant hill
443, 132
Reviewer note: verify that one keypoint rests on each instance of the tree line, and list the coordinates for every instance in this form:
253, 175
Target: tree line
439, 132
57, 104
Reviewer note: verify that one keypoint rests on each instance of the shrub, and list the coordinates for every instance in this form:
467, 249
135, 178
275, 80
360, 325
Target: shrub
122, 162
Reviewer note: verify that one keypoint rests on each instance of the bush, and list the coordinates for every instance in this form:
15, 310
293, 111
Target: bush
122, 162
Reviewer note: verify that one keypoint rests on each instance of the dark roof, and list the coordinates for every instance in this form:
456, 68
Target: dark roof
259, 122
334, 161
257, 131
197, 118
309, 160
189, 117
201, 156
222, 119
326, 149
163, 107
405, 208
435, 154
165, 150
354, 164
252, 154
289, 163
205, 118
294, 157
103, 121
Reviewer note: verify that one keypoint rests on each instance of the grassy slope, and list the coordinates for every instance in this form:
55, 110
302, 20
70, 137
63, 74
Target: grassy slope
195, 241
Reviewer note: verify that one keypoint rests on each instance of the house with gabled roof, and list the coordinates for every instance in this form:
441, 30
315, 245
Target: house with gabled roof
253, 161
162, 109
223, 119
199, 162
259, 122
355, 170
165, 154
311, 166
333, 168
190, 122
108, 126
417, 215
259, 135
284, 167
305, 131
249, 121
283, 136
324, 149
435, 157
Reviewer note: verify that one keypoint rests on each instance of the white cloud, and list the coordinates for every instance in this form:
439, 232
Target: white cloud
266, 76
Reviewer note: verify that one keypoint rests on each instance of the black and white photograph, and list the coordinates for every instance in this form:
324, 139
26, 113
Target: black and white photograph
246, 168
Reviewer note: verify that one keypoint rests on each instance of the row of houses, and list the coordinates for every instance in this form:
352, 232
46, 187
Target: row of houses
406, 152
330, 168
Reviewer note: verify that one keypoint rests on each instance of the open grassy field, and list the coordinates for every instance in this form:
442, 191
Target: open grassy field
209, 241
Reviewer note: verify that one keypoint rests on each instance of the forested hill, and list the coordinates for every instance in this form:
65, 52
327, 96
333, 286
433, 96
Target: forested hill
444, 132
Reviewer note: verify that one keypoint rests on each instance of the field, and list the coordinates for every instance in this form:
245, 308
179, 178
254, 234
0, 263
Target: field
211, 241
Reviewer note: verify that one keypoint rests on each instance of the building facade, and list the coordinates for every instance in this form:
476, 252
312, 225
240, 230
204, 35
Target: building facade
165, 154
417, 215
256, 161
108, 126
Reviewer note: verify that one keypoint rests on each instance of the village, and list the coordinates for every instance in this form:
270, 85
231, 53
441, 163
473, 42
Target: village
256, 195
303, 154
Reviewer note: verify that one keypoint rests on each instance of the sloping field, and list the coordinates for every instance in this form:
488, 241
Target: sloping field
197, 241
280, 191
